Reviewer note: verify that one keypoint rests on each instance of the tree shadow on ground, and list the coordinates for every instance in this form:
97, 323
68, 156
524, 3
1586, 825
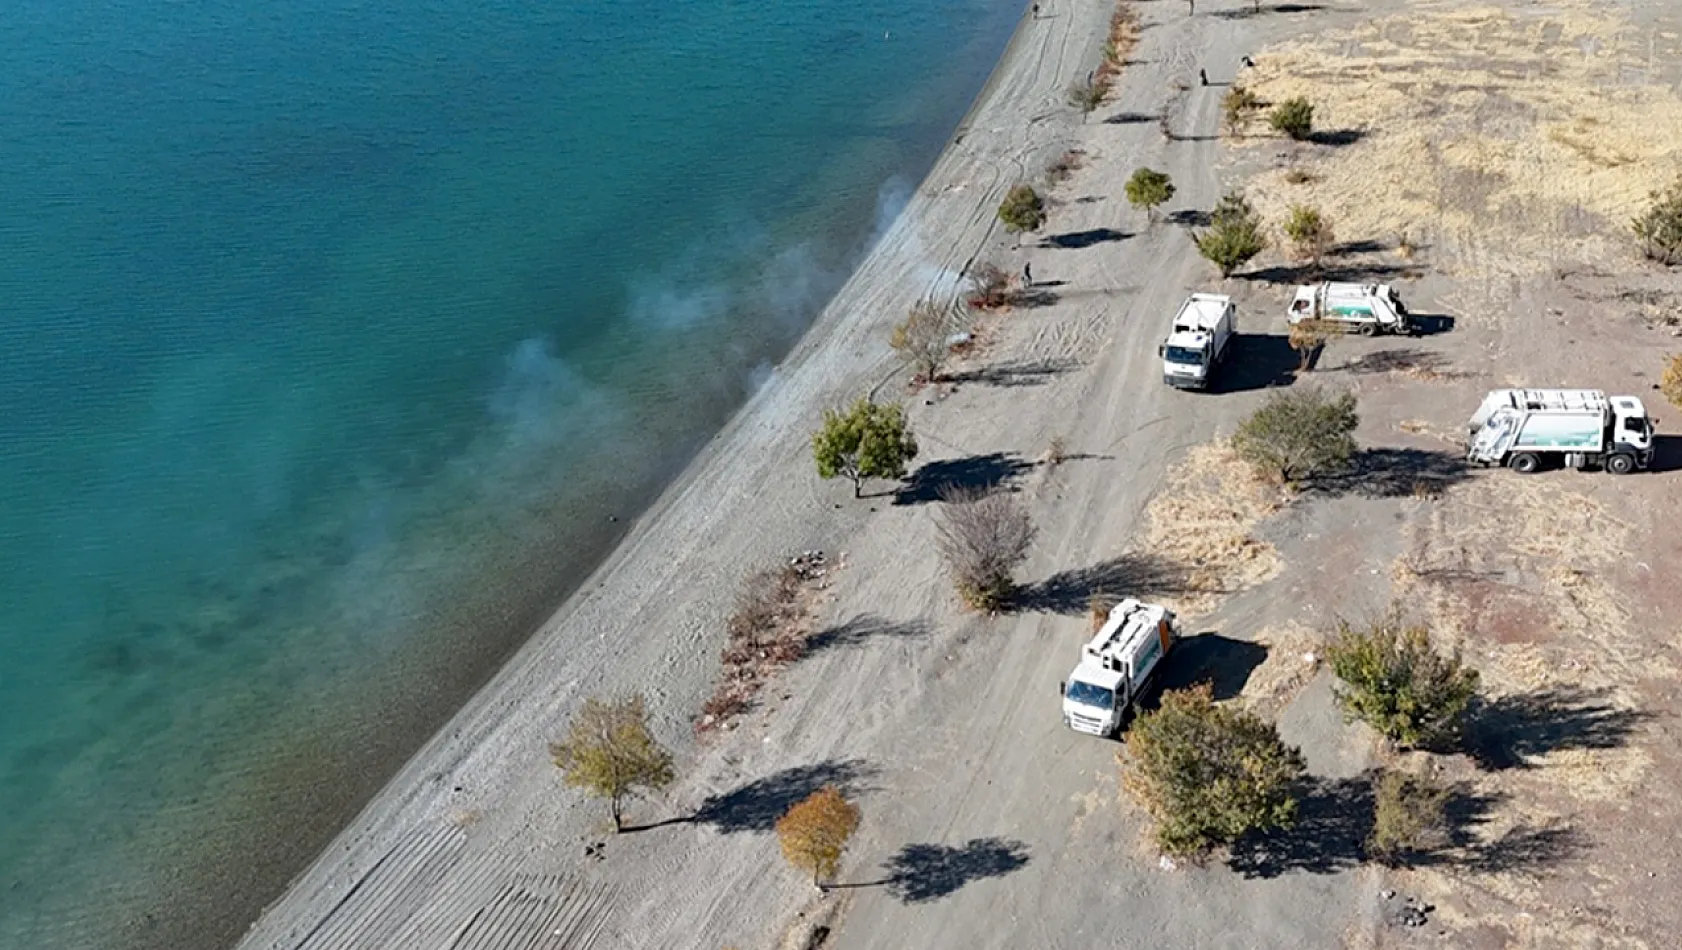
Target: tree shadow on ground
1189, 217
1401, 359
1245, 13
1178, 137
1507, 731
920, 873
1337, 138
1363, 246
757, 805
864, 627
1353, 273
1021, 373
1032, 298
1075, 240
1395, 473
1071, 592
1131, 118
1225, 664
972, 471
1335, 822
1258, 361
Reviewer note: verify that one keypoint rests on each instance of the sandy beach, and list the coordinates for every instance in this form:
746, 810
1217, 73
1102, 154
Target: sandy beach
986, 822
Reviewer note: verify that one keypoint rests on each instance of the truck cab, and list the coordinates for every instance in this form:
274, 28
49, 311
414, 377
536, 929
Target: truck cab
1116, 666
1198, 340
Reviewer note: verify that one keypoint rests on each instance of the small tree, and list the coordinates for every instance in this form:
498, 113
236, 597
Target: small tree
1307, 337
1088, 94
1293, 117
1234, 235
1409, 817
984, 537
1670, 383
1022, 210
1236, 106
1208, 773
814, 833
989, 287
1395, 682
1147, 189
1310, 233
1298, 434
925, 337
1660, 229
866, 441
609, 752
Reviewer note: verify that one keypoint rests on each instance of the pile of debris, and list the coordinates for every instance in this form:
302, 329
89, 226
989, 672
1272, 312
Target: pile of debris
767, 631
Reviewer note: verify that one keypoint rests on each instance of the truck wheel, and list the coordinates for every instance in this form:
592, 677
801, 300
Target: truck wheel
1525, 463
1621, 463
1367, 329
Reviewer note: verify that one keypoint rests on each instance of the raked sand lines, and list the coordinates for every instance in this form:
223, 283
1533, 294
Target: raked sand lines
433, 890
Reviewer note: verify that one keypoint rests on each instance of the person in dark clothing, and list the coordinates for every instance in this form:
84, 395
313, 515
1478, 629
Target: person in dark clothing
1036, 11
1247, 61
1027, 274
1202, 77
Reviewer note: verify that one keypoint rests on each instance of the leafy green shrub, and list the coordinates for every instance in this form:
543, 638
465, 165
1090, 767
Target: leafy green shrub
1310, 233
1147, 189
1660, 229
1395, 682
1022, 210
1298, 434
866, 441
1293, 117
1234, 235
1087, 95
1408, 817
1208, 773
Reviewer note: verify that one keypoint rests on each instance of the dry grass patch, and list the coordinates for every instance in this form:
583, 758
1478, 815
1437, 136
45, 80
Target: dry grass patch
1204, 519
1509, 142
1118, 45
1293, 657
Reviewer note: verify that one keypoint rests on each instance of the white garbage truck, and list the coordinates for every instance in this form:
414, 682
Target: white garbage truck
1524, 429
1365, 309
1116, 666
1199, 340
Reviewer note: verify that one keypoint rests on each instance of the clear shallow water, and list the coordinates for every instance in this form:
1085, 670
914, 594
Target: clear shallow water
332, 333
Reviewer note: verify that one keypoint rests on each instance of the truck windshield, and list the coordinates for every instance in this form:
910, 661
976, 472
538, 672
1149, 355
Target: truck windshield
1181, 354
1089, 695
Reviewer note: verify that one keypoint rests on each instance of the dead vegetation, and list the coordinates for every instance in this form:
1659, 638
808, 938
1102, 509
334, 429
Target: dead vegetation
1512, 143
767, 631
984, 535
1118, 45
1203, 522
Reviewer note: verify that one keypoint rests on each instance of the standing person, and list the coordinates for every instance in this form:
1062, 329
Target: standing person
1027, 274
1036, 11
1203, 77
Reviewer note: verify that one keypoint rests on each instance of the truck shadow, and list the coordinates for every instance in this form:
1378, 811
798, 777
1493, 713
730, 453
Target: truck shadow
1667, 453
1258, 361
1222, 662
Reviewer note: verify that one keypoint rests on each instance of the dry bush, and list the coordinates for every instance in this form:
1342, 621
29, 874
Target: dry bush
1236, 107
1408, 817
1065, 165
1310, 232
1308, 338
1088, 94
1670, 383
1123, 36
766, 630
924, 337
984, 537
1056, 451
1659, 229
989, 287
814, 833
1299, 176
1098, 607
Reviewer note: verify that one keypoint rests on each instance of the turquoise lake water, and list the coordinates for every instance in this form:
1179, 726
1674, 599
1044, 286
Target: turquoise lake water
337, 337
